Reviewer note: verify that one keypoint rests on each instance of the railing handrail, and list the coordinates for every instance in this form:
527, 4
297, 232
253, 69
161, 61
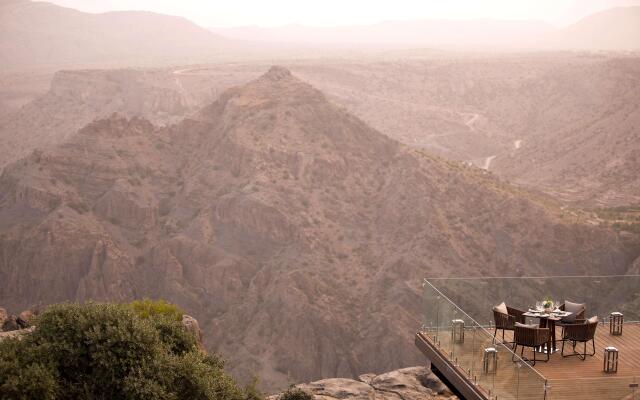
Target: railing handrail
454, 278
598, 378
486, 331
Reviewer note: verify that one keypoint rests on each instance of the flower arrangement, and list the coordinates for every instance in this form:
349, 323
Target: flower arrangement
547, 303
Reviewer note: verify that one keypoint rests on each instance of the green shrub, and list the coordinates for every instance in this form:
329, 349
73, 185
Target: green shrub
294, 393
151, 308
108, 351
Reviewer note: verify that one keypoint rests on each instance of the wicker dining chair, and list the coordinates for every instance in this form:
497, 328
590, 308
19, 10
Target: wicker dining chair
580, 333
577, 310
507, 322
529, 336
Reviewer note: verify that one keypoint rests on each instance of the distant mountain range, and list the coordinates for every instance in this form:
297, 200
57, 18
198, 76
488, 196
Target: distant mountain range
613, 29
43, 34
40, 34
496, 33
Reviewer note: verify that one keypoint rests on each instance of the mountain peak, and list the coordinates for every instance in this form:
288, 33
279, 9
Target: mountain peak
277, 73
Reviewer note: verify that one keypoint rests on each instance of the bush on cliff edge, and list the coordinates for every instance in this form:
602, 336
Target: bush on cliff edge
110, 351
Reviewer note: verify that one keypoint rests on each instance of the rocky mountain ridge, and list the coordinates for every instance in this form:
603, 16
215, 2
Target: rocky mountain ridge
493, 112
76, 98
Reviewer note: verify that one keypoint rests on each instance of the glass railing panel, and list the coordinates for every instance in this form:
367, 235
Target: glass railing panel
462, 340
516, 378
604, 388
432, 315
487, 369
602, 295
472, 349
448, 313
529, 385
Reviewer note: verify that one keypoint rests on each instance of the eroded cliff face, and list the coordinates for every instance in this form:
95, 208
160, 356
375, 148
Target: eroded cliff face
76, 98
297, 235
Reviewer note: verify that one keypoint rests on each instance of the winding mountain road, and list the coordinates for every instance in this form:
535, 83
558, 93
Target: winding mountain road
470, 122
487, 162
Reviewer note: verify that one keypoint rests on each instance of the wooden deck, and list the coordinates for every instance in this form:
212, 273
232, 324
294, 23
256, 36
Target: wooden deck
568, 378
573, 368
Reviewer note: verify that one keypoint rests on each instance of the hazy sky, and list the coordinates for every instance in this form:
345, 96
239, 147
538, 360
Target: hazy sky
227, 13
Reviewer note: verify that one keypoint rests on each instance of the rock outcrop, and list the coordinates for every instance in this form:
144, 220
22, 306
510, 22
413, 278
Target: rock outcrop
17, 333
192, 326
15, 323
3, 316
416, 383
10, 324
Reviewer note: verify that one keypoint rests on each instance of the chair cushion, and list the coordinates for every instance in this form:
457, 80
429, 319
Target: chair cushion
518, 324
501, 308
574, 309
592, 319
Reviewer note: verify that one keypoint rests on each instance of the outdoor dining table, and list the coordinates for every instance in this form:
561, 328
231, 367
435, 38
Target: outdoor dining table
548, 320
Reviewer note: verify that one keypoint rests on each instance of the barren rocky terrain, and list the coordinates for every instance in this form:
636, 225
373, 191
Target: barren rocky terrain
565, 124
296, 234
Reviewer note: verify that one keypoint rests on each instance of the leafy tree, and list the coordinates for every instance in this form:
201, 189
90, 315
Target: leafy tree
112, 351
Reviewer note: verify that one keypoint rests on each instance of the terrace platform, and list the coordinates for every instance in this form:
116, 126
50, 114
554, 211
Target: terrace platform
460, 362
567, 378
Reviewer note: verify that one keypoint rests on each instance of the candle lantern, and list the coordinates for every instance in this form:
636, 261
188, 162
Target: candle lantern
616, 320
610, 360
490, 360
457, 331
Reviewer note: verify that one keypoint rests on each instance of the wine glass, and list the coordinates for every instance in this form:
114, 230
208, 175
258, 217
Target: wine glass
538, 306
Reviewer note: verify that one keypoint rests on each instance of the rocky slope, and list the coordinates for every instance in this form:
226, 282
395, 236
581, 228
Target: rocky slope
297, 235
414, 383
584, 147
76, 98
562, 123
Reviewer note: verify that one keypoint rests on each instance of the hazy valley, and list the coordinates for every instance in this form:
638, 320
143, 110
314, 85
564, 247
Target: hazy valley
293, 202
236, 212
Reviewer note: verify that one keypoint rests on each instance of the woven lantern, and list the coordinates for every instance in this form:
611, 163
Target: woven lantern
490, 360
457, 331
610, 360
616, 320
